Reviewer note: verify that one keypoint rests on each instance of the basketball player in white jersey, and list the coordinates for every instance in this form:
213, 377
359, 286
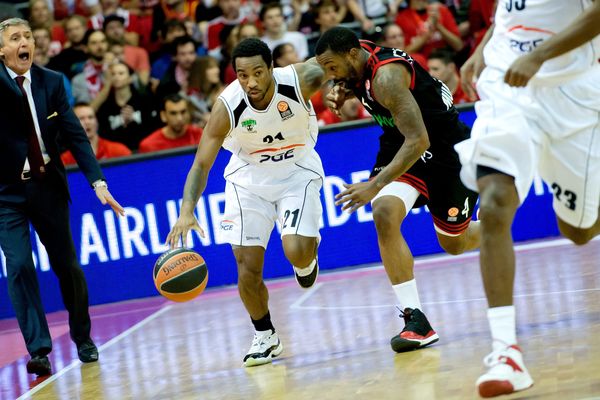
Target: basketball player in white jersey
539, 112
266, 120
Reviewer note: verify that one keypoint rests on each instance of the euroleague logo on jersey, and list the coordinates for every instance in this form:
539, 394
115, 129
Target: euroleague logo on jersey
284, 110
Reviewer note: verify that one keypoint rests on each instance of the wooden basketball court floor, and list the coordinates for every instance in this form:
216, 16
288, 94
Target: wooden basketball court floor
336, 338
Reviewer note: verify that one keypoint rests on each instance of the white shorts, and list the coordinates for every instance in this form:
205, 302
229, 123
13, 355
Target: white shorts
553, 131
251, 210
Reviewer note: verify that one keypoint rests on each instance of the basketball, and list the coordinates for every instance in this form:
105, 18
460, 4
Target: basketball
180, 274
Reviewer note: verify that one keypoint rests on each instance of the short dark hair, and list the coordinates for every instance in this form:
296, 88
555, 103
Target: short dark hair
180, 41
112, 18
339, 40
169, 25
279, 50
89, 33
251, 47
173, 98
81, 104
444, 56
269, 6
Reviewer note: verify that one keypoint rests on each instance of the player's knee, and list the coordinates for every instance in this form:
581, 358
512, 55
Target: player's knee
384, 217
452, 245
299, 253
576, 235
497, 204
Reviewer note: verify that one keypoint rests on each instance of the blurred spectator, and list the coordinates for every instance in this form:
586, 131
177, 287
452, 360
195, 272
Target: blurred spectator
87, 84
392, 36
176, 77
284, 55
40, 16
125, 114
71, 58
63, 9
134, 56
428, 27
306, 12
352, 110
177, 132
41, 54
112, 7
372, 14
442, 67
102, 148
169, 32
237, 34
481, 15
204, 87
326, 16
166, 10
230, 17
271, 16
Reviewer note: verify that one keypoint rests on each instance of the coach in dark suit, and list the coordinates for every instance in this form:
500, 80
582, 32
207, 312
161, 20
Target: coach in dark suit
34, 116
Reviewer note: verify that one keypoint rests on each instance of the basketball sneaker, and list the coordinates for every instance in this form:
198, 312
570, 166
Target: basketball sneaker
417, 332
309, 280
264, 347
506, 373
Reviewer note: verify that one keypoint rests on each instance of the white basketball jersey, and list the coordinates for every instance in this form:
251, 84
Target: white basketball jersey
283, 133
522, 25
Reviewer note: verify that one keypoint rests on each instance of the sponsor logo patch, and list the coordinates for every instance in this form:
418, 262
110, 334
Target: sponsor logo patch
250, 125
284, 110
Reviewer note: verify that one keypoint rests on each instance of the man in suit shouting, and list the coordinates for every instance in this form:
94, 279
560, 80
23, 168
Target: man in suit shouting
35, 114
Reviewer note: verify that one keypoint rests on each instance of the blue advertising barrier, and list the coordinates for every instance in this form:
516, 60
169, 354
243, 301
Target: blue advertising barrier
117, 254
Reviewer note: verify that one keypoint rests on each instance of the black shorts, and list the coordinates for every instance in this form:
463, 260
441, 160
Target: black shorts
436, 176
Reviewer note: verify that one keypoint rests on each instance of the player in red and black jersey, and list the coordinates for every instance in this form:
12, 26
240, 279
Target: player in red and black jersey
416, 163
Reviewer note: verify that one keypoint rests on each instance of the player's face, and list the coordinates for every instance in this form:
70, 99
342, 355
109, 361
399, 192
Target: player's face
339, 67
255, 77
17, 48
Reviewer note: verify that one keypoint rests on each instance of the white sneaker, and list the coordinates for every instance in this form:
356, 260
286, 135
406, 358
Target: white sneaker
264, 347
506, 373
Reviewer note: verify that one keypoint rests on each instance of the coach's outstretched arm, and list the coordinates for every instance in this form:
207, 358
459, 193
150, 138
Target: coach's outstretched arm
581, 30
214, 134
391, 88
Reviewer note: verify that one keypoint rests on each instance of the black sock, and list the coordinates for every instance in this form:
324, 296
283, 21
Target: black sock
263, 324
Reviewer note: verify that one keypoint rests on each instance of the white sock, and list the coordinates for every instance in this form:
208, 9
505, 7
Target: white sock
263, 333
306, 271
408, 295
503, 326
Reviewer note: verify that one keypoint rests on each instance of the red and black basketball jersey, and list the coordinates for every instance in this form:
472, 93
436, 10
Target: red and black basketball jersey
432, 96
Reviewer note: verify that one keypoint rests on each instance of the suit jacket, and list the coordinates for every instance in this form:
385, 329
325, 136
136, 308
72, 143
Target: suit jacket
58, 124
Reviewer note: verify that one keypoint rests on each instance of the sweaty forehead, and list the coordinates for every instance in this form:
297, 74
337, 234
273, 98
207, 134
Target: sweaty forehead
249, 64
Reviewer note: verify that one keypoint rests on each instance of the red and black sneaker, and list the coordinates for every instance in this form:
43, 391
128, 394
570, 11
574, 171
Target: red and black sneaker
417, 332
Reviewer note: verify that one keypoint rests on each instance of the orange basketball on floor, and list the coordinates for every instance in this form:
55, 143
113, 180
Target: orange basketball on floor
180, 274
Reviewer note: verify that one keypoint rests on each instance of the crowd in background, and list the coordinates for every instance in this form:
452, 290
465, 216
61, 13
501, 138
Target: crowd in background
143, 75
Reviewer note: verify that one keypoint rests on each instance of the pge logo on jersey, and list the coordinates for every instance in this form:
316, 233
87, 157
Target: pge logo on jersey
227, 225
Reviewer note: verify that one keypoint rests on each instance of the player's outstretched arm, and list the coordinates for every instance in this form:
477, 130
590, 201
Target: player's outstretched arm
311, 76
581, 30
214, 134
471, 69
391, 89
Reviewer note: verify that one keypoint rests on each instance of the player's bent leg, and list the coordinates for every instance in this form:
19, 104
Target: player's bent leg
579, 236
467, 240
301, 252
388, 214
255, 296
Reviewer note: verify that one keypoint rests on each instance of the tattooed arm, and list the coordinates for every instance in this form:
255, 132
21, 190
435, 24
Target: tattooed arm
214, 134
311, 77
391, 89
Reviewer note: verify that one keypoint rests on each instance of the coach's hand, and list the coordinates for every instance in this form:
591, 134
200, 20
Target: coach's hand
106, 198
523, 69
184, 224
469, 73
356, 195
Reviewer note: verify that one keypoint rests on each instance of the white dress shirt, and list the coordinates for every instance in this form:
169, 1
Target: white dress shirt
27, 87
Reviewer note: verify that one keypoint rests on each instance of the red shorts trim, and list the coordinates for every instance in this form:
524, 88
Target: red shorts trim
452, 229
